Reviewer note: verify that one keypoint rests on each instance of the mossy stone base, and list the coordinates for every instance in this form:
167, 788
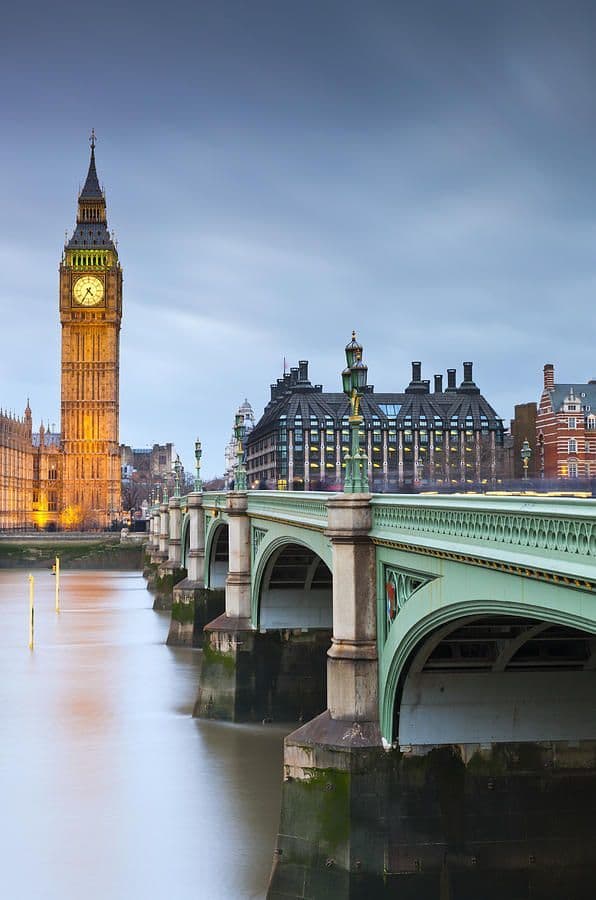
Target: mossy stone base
164, 586
250, 677
193, 607
511, 821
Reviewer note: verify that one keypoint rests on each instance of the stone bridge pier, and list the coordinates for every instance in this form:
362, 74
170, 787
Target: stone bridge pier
193, 605
227, 687
333, 765
265, 663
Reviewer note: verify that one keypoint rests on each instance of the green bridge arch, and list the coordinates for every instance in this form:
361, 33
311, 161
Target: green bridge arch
454, 591
267, 538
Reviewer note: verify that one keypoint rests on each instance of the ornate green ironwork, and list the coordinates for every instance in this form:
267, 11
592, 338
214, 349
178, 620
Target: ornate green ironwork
399, 585
565, 527
257, 536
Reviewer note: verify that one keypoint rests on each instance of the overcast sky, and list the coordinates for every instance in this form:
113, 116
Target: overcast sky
279, 173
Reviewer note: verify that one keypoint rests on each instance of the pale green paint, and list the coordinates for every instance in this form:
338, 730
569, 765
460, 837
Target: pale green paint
556, 536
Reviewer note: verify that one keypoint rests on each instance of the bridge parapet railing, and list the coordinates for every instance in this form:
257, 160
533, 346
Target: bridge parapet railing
215, 500
555, 534
307, 508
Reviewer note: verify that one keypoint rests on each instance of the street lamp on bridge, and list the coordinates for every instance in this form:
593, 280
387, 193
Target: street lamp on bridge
198, 454
526, 453
240, 481
354, 379
177, 472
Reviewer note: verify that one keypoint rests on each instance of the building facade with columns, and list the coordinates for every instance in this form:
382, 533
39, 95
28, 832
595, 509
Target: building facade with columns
566, 428
448, 435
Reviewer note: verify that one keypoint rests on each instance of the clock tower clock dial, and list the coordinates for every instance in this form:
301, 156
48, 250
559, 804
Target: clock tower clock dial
90, 315
88, 290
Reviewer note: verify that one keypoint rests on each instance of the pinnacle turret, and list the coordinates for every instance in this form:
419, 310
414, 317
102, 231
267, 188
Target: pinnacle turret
91, 189
91, 229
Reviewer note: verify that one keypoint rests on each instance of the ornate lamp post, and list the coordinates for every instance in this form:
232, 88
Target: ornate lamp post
354, 381
541, 450
240, 482
525, 453
198, 454
164, 494
177, 471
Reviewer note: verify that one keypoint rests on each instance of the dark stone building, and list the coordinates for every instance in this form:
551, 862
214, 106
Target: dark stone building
450, 435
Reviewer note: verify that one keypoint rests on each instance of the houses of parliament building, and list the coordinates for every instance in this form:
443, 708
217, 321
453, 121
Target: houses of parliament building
72, 479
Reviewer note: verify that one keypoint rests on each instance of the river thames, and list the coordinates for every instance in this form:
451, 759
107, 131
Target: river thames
110, 789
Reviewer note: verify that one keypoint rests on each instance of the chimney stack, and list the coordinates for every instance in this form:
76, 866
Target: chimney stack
438, 384
416, 371
303, 370
468, 372
451, 380
549, 377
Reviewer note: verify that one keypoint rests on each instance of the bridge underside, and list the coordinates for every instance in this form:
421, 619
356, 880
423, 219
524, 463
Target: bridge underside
499, 679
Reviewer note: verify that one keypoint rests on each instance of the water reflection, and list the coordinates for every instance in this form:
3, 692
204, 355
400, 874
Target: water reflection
109, 788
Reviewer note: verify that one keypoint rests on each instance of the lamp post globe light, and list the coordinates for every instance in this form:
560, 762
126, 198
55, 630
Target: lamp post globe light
526, 453
198, 454
354, 378
240, 481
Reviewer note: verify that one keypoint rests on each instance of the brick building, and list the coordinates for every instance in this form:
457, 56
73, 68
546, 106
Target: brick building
566, 428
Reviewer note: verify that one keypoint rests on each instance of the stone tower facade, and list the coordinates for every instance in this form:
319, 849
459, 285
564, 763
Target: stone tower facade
90, 315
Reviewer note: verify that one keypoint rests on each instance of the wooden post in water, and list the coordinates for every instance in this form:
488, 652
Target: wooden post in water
31, 612
57, 573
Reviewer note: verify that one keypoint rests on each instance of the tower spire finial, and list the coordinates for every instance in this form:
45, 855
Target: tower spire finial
92, 139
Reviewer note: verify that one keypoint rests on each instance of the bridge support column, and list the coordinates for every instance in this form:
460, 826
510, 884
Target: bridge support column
164, 531
163, 578
170, 572
173, 543
194, 605
153, 547
227, 682
334, 766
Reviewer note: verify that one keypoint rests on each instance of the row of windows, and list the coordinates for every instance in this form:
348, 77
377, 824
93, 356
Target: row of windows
572, 446
590, 423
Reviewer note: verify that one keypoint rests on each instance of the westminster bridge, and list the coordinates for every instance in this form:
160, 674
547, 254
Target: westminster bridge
441, 653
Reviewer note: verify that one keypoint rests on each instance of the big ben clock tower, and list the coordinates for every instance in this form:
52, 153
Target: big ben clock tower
90, 315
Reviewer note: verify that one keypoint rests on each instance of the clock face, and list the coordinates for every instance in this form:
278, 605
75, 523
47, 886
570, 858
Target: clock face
88, 290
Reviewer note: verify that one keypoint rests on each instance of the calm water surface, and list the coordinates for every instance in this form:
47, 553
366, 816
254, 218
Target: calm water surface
108, 788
